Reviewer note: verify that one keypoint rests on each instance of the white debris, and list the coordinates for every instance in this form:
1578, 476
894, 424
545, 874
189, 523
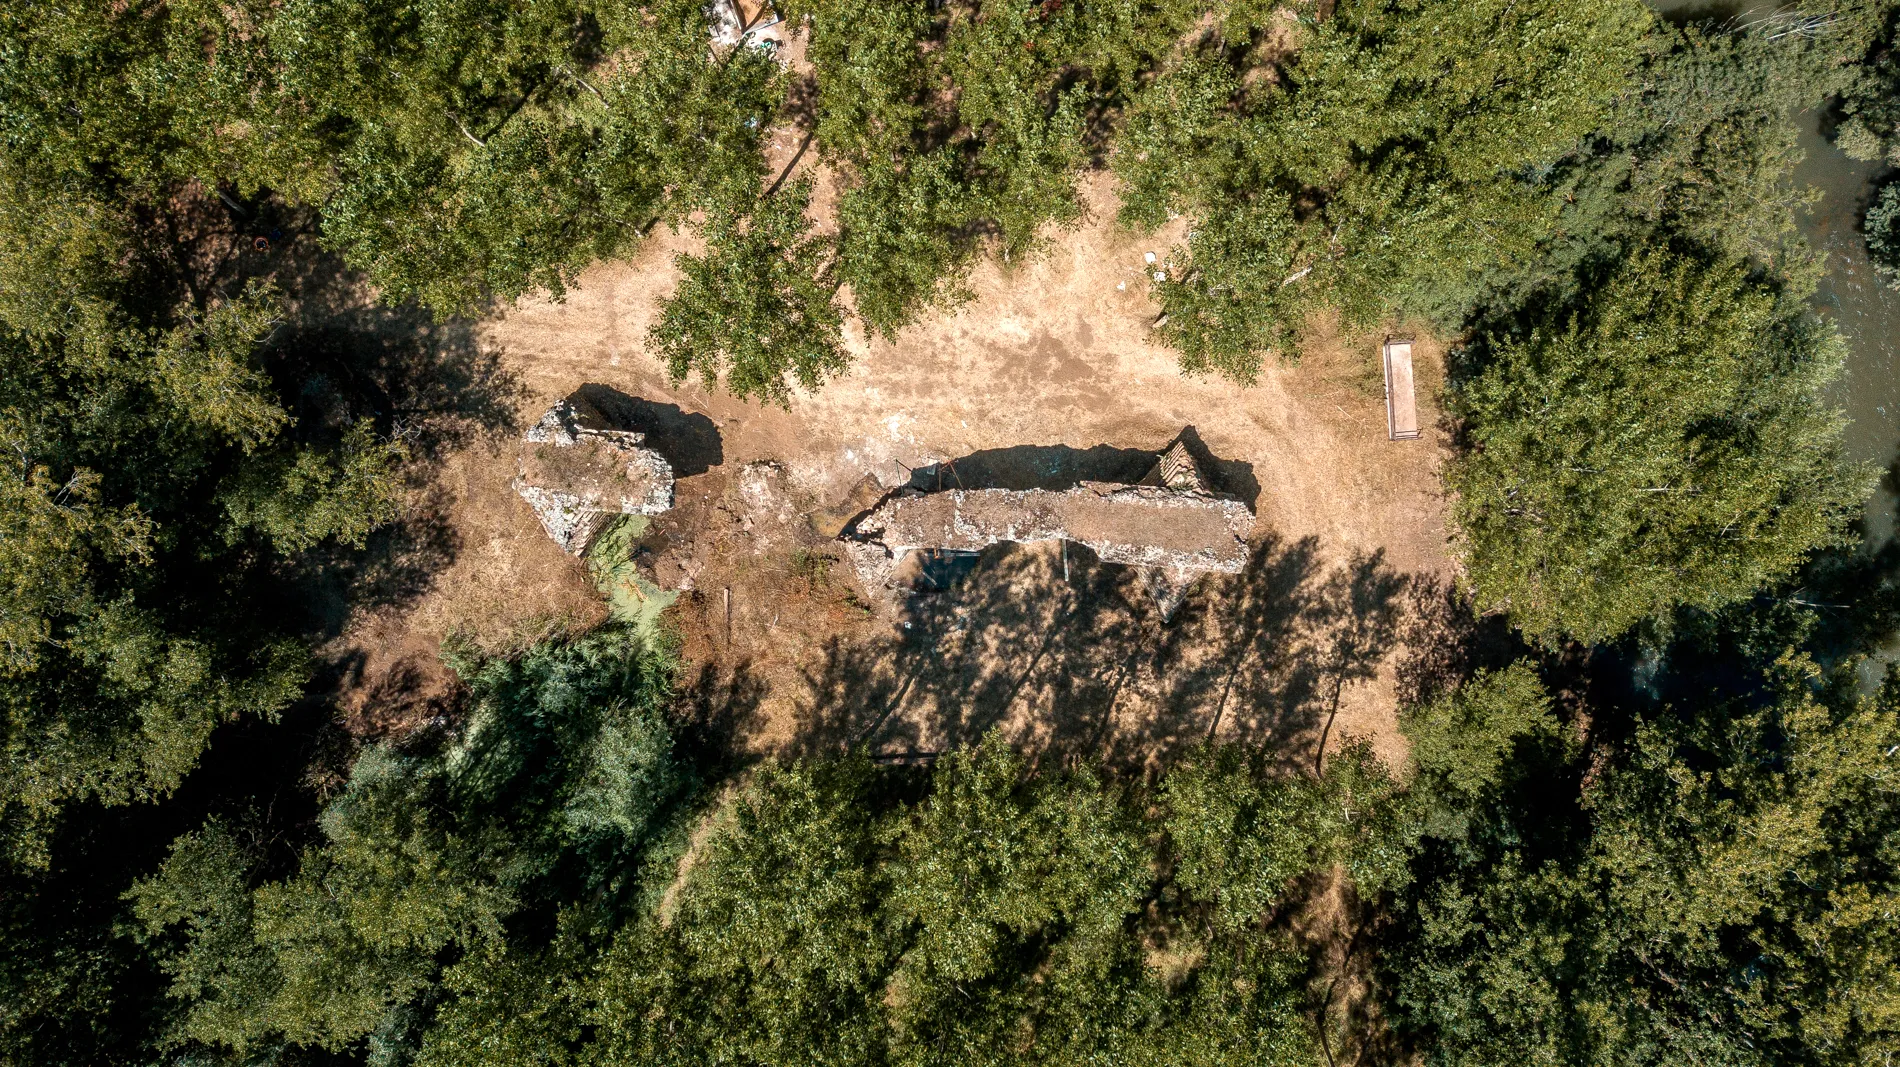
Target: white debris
731, 25
578, 474
765, 507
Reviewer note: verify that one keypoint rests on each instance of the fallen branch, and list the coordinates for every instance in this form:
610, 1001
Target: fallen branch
476, 141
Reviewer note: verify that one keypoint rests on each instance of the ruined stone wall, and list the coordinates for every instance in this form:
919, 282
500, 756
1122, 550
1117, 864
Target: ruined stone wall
1139, 526
579, 474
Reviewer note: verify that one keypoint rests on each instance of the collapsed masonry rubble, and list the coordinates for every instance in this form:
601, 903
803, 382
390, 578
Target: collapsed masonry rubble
1168, 525
732, 22
579, 474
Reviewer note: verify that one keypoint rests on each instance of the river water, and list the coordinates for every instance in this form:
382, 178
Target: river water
1867, 312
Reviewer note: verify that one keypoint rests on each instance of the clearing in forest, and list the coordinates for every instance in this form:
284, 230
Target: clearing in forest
1047, 378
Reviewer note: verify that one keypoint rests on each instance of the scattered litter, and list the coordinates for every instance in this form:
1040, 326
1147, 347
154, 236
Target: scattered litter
745, 22
1147, 257
1161, 275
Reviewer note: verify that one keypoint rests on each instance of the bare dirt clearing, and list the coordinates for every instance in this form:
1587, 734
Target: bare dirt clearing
1045, 378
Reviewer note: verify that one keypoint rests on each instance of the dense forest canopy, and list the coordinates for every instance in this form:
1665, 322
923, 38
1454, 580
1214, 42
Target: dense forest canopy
1654, 818
1583, 522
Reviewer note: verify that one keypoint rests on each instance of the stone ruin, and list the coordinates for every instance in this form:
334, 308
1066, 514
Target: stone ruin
734, 21
1169, 526
579, 474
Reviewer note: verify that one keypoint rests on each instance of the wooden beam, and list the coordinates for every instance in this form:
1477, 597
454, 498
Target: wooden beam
1401, 406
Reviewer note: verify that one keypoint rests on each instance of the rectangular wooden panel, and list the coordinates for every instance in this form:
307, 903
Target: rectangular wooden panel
1401, 407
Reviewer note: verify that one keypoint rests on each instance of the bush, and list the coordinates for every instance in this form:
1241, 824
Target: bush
1883, 233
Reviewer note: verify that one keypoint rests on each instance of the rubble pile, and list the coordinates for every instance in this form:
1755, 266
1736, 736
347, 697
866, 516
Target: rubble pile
579, 474
732, 22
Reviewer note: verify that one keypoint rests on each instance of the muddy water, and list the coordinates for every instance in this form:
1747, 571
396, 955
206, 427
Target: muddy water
1867, 312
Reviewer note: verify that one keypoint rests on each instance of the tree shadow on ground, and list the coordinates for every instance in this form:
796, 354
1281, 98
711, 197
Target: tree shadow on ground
714, 717
351, 356
1071, 658
338, 357
342, 357
340, 353
1446, 642
396, 565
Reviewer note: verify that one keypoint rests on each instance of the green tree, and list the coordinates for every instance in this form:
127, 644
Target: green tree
488, 149
1004, 917
757, 306
1882, 226
462, 150
1714, 890
1867, 83
541, 804
1667, 444
1240, 835
1392, 128
770, 948
909, 232
1699, 151
128, 631
992, 871
520, 1004
1855, 73
1462, 742
323, 958
930, 179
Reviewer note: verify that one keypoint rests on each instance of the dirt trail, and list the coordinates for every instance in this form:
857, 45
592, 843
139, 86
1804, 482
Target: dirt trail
1053, 353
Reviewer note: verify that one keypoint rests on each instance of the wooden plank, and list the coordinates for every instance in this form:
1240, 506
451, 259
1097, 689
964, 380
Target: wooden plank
1401, 407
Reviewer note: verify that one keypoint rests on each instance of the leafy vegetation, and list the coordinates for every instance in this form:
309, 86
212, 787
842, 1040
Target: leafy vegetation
1557, 896
1667, 445
1390, 130
154, 475
563, 772
1711, 890
461, 151
1662, 828
518, 883
756, 305
1865, 107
